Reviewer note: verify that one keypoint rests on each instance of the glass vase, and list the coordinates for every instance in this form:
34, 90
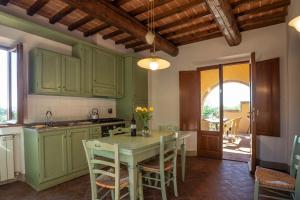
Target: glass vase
146, 130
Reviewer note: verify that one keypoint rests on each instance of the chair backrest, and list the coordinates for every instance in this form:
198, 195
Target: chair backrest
118, 130
236, 125
97, 165
228, 125
295, 164
168, 150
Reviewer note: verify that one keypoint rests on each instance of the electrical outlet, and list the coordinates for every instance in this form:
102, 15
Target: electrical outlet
110, 110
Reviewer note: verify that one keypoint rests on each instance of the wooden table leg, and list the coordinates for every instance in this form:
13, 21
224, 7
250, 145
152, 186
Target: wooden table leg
132, 170
183, 155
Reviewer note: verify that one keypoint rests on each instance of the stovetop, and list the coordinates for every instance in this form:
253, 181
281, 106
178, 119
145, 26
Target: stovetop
107, 120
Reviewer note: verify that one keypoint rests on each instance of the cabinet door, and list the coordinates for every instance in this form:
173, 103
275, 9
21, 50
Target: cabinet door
140, 82
76, 155
53, 155
70, 76
85, 53
104, 74
120, 77
47, 72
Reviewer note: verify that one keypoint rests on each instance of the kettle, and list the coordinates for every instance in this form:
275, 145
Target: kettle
95, 114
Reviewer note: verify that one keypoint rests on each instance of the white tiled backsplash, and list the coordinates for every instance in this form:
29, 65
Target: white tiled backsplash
67, 108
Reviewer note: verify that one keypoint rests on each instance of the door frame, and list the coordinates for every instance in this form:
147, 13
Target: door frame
209, 133
252, 79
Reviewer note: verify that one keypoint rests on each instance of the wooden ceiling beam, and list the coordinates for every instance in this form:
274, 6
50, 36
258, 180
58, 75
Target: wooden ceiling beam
225, 19
96, 30
266, 7
254, 19
61, 14
132, 45
120, 2
182, 21
124, 40
176, 10
80, 23
261, 24
34, 8
171, 25
144, 8
142, 48
199, 38
112, 34
193, 27
105, 11
4, 2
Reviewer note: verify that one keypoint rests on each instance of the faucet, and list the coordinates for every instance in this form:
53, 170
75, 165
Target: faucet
48, 118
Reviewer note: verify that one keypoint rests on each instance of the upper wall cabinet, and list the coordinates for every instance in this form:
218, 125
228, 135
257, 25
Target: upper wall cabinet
45, 72
104, 74
70, 76
53, 74
85, 53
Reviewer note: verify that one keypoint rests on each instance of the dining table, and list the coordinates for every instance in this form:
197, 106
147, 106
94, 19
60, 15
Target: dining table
135, 149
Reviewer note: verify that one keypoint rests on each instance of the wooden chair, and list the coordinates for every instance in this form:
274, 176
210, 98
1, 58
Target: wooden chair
118, 130
236, 127
105, 174
280, 185
227, 127
162, 167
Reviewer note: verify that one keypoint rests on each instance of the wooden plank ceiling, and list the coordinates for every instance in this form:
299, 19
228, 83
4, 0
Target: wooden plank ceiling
177, 22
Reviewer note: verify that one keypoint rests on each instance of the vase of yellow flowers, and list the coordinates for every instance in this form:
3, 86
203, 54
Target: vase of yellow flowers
145, 115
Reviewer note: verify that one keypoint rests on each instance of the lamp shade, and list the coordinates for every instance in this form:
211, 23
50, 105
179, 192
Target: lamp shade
295, 22
153, 63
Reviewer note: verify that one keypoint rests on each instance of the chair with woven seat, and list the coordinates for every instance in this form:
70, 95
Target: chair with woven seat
279, 185
118, 130
105, 174
164, 167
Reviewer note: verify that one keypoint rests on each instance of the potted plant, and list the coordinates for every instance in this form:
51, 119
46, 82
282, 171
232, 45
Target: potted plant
145, 115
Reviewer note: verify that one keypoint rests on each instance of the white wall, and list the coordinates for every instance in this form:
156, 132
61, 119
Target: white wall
269, 42
294, 72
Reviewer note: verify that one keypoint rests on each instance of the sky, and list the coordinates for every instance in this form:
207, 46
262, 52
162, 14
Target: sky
233, 94
4, 79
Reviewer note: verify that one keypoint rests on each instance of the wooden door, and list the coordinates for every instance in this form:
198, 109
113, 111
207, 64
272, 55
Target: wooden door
267, 98
70, 76
47, 72
104, 69
210, 133
52, 155
76, 155
189, 100
253, 73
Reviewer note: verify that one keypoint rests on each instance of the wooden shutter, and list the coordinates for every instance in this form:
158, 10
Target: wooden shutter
189, 100
267, 98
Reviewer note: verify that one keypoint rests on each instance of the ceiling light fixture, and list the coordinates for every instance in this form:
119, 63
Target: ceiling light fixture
152, 62
295, 22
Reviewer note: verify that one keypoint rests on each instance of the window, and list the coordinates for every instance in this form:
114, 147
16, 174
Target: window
11, 86
234, 93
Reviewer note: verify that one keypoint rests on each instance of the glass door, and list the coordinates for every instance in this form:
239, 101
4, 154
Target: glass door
211, 112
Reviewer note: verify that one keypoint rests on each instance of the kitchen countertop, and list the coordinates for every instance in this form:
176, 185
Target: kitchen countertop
69, 125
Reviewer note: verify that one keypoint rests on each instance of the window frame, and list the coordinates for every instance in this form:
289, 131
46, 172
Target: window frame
18, 49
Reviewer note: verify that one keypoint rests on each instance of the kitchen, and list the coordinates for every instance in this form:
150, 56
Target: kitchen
73, 84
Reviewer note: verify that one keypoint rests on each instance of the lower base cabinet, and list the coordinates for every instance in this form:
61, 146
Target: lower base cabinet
53, 157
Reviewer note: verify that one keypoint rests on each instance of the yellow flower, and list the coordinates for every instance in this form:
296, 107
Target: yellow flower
151, 109
138, 109
145, 110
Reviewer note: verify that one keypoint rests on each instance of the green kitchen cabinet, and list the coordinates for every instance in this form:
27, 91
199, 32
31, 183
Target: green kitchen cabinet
85, 53
76, 154
120, 77
135, 90
70, 76
53, 155
104, 73
45, 72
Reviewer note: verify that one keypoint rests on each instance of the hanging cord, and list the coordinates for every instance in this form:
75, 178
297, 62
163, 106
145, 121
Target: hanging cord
153, 28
